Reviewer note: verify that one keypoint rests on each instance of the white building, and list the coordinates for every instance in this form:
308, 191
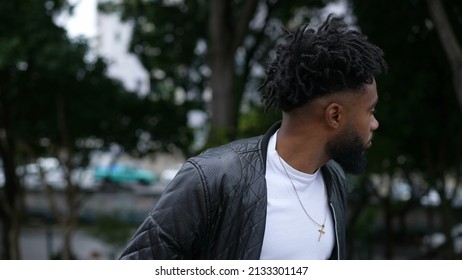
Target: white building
112, 43
109, 38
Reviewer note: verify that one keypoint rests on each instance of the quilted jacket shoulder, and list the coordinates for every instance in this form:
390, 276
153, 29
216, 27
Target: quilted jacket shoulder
215, 208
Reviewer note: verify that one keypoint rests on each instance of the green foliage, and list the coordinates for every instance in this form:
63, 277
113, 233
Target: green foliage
54, 93
172, 40
166, 38
56, 102
420, 132
418, 113
256, 122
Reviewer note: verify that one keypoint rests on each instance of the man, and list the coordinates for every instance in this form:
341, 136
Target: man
281, 195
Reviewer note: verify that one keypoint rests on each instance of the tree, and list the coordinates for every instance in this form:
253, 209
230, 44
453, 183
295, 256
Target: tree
420, 134
218, 47
12, 67
449, 42
54, 102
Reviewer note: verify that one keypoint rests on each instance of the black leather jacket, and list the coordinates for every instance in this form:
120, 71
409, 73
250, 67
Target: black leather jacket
215, 208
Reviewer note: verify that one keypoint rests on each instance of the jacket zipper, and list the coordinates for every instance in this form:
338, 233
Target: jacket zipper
336, 233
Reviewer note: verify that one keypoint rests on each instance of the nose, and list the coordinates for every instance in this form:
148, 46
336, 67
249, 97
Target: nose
374, 123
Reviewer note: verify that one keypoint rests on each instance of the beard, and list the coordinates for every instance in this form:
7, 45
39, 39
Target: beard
349, 150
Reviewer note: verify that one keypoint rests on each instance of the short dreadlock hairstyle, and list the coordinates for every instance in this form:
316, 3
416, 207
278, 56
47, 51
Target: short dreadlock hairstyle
311, 64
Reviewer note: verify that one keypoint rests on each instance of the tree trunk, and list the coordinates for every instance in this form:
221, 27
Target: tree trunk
65, 153
451, 47
447, 219
71, 220
10, 211
225, 38
68, 234
10, 196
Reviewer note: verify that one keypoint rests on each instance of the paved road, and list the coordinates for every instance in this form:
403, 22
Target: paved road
37, 241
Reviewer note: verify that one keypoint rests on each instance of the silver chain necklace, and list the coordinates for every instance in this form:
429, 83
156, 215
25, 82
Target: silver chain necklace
323, 227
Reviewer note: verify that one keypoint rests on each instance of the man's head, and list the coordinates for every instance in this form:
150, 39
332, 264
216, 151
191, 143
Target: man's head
327, 75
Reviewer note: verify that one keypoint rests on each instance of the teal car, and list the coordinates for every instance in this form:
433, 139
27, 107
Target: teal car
124, 174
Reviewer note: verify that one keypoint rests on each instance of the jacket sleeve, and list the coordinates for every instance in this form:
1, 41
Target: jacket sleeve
175, 227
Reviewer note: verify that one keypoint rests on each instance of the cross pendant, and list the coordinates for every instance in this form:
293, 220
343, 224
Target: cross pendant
321, 232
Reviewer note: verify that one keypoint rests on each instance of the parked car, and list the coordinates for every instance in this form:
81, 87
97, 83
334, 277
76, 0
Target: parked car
53, 174
125, 174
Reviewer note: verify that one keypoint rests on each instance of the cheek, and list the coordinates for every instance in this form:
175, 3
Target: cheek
363, 123
364, 128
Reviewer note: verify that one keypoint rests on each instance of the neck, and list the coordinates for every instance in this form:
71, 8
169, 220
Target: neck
301, 146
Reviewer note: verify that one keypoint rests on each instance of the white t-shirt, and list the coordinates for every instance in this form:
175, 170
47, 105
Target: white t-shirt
289, 232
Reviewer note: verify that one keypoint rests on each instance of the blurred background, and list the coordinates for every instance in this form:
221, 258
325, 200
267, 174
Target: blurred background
102, 101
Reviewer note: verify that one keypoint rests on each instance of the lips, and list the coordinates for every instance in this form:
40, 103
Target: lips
369, 144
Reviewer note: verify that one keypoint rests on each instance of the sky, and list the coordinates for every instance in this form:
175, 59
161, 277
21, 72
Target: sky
83, 21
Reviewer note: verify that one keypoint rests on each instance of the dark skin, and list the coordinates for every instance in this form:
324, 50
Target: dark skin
305, 130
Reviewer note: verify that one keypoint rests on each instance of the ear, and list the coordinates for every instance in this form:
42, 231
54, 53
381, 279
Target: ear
333, 115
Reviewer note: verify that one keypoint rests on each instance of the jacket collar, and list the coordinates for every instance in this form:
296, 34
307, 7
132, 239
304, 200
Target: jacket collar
265, 140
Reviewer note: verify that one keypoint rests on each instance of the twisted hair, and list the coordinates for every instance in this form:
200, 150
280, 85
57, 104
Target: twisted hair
311, 64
